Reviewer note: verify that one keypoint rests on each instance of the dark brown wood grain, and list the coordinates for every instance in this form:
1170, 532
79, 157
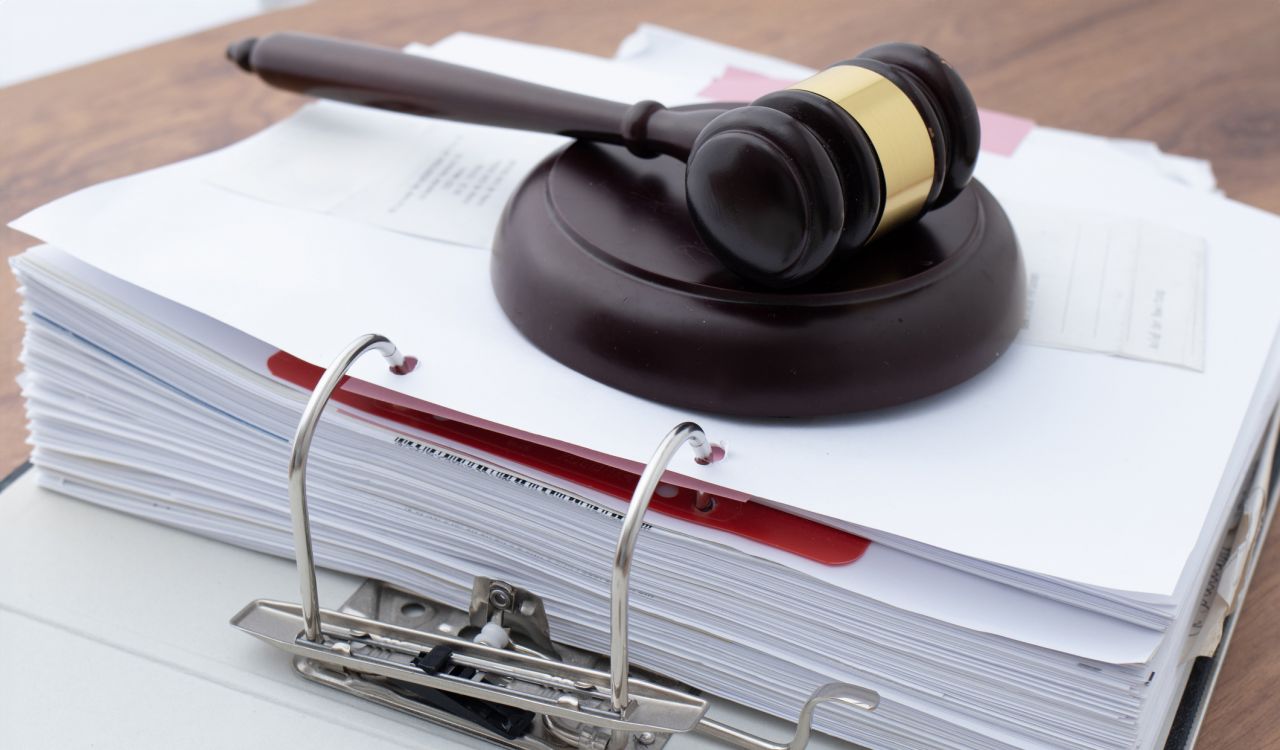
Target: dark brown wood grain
1200, 78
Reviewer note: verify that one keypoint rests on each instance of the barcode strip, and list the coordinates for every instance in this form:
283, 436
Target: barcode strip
497, 473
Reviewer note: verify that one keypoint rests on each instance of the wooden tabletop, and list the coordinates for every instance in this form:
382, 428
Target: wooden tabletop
1199, 78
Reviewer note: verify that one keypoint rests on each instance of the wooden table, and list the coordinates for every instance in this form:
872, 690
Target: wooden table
1200, 78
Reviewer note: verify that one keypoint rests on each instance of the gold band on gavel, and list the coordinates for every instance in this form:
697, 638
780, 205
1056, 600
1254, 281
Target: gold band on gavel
897, 133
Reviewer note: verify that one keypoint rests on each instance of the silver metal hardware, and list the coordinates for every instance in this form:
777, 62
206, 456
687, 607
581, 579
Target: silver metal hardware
516, 609
852, 695
620, 589
324, 389
419, 656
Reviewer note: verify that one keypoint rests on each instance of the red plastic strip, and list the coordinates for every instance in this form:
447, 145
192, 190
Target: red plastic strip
727, 510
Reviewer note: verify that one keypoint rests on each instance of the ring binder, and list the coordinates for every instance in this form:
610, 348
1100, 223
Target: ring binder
494, 671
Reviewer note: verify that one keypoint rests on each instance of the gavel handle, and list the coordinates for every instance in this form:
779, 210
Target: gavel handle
389, 79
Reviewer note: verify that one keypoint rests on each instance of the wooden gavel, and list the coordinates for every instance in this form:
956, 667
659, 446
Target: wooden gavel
776, 189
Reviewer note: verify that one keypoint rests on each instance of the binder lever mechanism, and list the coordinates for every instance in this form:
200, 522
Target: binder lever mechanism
494, 671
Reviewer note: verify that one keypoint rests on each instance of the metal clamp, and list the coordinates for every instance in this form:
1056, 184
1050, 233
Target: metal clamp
528, 693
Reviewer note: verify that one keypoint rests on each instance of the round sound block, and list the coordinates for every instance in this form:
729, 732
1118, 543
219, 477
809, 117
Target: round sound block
597, 263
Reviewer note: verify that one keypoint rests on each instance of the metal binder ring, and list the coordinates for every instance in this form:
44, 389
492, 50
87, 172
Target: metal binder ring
619, 664
619, 660
851, 695
324, 389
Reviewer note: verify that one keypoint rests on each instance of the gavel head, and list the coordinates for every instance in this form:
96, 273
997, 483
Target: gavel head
781, 187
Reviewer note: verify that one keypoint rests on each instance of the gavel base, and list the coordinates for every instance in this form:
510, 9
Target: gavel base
596, 263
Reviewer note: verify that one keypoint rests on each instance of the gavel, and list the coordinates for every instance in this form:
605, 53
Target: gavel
777, 189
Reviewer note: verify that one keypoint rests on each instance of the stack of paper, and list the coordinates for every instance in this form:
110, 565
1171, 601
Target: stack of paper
1042, 538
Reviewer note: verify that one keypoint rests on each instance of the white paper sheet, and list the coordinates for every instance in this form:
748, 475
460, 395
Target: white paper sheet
1104, 284
404, 173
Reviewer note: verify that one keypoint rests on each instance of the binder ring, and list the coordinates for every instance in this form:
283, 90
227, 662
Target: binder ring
320, 396
619, 661
631, 524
